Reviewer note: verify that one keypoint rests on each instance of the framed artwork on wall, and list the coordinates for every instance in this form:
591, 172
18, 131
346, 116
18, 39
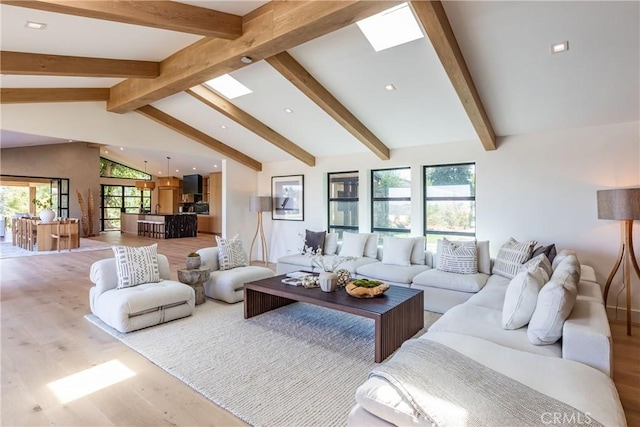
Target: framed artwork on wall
287, 193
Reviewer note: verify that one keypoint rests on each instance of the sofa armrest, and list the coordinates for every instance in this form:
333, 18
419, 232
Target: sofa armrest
209, 257
586, 336
104, 275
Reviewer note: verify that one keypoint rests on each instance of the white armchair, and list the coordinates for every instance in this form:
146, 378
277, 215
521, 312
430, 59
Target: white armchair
228, 285
140, 306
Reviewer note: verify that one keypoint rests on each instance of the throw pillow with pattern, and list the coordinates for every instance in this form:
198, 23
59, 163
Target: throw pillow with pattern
135, 266
459, 257
231, 253
511, 256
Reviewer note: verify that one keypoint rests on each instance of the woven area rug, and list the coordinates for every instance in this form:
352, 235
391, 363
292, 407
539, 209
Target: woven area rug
7, 250
298, 365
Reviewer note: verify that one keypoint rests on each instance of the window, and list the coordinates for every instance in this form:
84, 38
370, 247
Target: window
120, 198
391, 202
343, 202
450, 202
111, 169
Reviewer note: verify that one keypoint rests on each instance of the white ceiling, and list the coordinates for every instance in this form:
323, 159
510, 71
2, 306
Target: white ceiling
506, 46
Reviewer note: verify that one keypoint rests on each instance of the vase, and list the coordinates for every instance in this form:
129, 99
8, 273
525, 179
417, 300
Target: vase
48, 215
328, 281
193, 262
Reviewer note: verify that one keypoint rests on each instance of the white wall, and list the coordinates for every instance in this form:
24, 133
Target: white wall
537, 186
239, 183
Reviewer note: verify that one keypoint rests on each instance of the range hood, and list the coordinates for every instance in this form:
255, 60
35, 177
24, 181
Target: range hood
192, 184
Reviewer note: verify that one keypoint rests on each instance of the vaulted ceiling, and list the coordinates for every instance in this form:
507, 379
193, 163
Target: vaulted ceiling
483, 69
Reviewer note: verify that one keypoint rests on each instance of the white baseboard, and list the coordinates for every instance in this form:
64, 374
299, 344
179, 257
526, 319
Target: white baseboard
620, 313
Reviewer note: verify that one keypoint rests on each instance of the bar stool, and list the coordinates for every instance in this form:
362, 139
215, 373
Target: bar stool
144, 227
157, 229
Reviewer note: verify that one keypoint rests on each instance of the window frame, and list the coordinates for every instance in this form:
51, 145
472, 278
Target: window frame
144, 194
427, 199
330, 199
374, 199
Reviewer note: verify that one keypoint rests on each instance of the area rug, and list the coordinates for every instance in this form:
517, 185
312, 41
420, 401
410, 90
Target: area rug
7, 250
298, 365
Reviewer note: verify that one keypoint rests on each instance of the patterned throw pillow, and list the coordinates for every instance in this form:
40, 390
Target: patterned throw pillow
231, 253
511, 256
459, 257
135, 266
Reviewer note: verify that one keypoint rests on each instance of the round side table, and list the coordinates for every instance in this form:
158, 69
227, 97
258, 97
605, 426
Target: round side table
195, 278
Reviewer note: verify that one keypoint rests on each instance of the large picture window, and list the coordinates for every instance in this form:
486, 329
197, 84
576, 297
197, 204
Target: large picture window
120, 198
450, 202
391, 201
343, 202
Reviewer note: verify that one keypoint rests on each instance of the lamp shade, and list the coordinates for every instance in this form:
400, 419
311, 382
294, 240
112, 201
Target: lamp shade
260, 203
145, 185
620, 204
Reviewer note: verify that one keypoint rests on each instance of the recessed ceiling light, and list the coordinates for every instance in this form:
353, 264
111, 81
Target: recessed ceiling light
194, 168
35, 25
246, 60
560, 47
159, 172
215, 166
71, 140
228, 86
106, 151
390, 28
121, 148
389, 87
223, 126
177, 170
288, 110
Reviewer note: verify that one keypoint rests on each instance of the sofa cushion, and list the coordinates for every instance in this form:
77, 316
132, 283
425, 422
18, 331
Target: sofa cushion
391, 273
485, 323
136, 266
228, 285
397, 251
303, 261
555, 302
352, 265
511, 256
353, 244
330, 243
457, 282
458, 257
417, 253
231, 253
521, 297
371, 247
492, 295
314, 240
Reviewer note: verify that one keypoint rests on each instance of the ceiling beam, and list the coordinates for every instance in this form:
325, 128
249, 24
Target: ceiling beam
270, 29
20, 63
28, 95
166, 15
291, 69
193, 133
434, 20
223, 106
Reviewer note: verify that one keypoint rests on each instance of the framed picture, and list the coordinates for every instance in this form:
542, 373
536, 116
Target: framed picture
287, 193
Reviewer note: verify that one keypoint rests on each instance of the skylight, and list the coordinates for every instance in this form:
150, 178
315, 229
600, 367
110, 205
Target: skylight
391, 28
228, 86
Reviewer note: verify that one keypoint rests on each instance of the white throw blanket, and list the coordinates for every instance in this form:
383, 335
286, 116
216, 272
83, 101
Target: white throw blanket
450, 389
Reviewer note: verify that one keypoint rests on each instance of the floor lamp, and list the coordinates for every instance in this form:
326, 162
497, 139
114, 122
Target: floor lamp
623, 205
260, 204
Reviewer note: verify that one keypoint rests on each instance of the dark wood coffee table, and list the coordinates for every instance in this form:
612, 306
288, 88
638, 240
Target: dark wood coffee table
398, 313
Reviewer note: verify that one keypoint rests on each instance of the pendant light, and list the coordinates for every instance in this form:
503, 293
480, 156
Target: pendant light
171, 183
146, 184
168, 177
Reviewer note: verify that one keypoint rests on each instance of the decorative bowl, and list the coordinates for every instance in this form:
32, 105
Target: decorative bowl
357, 291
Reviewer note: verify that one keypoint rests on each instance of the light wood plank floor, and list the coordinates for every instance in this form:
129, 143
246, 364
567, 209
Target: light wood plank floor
44, 338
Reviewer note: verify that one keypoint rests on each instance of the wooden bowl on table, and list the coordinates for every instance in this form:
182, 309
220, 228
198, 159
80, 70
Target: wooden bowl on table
365, 288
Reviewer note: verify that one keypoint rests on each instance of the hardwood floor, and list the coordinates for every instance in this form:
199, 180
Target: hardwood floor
45, 338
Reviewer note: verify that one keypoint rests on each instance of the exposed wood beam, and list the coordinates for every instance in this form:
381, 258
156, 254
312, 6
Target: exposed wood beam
166, 15
436, 24
296, 74
193, 133
21, 63
271, 29
225, 107
27, 95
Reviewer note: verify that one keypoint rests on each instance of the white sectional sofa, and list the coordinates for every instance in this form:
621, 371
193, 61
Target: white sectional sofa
573, 371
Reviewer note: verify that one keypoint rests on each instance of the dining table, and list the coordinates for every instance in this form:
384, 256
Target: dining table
43, 234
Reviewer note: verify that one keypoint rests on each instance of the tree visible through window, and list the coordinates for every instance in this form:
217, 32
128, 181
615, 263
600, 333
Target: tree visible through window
111, 169
343, 202
391, 202
450, 202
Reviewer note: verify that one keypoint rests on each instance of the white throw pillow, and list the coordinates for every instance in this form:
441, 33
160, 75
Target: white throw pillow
135, 266
417, 253
458, 257
231, 253
511, 256
353, 244
540, 261
521, 297
397, 251
330, 243
371, 247
561, 256
555, 302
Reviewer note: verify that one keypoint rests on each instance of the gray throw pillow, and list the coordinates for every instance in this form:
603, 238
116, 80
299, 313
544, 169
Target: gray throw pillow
314, 240
549, 251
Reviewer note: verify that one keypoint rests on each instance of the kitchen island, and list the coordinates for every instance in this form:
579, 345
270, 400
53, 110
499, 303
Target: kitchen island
174, 225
